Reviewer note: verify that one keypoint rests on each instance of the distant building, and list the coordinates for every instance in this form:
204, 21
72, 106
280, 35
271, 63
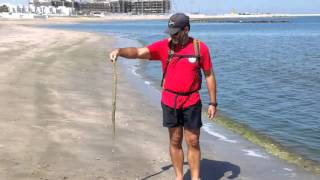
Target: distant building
150, 6
107, 6
56, 3
120, 6
126, 6
88, 8
41, 2
52, 7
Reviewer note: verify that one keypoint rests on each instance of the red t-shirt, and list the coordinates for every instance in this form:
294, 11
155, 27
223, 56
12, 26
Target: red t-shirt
182, 73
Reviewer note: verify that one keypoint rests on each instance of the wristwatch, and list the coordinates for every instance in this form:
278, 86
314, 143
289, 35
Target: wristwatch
213, 104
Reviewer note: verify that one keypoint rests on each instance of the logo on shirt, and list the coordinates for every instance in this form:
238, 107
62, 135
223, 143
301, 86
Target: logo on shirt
192, 60
171, 23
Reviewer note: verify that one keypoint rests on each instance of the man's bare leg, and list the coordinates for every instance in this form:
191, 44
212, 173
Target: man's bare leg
176, 152
194, 154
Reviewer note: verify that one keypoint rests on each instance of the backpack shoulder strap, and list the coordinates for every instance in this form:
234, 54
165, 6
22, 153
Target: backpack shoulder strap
196, 47
170, 56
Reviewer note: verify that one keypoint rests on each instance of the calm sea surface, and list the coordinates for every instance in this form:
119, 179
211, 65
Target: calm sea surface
268, 74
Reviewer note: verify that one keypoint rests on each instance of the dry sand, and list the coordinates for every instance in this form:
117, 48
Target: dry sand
55, 118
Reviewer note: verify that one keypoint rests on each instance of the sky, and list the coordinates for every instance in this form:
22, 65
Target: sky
226, 6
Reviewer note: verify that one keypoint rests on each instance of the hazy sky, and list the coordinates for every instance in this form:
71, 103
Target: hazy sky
225, 6
274, 6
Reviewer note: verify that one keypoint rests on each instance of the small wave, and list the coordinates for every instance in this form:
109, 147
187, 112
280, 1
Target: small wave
134, 71
288, 169
208, 128
147, 82
254, 154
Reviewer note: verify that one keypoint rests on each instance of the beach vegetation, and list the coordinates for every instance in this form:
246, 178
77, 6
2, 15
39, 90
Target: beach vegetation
4, 8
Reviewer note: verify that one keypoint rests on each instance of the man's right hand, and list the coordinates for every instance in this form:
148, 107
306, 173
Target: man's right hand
114, 55
130, 53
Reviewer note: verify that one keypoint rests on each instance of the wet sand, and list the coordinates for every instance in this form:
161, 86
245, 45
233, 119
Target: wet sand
55, 118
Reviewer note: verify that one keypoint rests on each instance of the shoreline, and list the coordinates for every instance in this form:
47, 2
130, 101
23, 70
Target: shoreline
270, 145
273, 147
121, 17
208, 154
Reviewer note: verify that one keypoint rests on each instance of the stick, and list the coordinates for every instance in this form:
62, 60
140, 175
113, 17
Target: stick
114, 99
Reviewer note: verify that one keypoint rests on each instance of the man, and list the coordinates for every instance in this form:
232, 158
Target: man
182, 58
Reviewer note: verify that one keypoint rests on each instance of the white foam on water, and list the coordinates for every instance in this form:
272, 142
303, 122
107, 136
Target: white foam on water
134, 71
254, 154
288, 169
147, 82
209, 130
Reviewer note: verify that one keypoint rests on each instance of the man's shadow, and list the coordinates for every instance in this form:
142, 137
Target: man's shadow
215, 170
210, 170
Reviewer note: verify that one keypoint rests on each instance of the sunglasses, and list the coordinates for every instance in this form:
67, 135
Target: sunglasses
177, 32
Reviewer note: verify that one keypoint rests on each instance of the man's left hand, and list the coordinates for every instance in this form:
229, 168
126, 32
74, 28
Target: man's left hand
211, 111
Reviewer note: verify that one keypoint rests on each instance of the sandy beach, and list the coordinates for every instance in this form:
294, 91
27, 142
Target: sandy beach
56, 111
55, 118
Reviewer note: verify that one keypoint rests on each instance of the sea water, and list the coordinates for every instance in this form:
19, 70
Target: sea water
268, 72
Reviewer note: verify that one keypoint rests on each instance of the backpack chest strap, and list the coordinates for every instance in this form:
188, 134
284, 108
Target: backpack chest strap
185, 56
171, 54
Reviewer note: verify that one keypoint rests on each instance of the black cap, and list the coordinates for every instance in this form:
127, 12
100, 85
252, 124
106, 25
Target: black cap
177, 22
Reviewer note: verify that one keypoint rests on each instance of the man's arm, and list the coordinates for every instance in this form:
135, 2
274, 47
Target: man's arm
130, 53
212, 90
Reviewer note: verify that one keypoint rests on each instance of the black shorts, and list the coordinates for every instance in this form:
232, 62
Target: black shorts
189, 117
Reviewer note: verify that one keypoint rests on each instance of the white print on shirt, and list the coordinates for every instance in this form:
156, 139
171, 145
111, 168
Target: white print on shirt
192, 60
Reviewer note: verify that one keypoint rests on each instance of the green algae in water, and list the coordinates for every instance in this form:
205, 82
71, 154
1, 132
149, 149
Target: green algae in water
270, 145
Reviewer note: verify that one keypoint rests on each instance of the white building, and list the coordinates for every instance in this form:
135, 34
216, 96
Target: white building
51, 7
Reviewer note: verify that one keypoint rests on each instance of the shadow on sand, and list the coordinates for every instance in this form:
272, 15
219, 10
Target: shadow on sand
210, 170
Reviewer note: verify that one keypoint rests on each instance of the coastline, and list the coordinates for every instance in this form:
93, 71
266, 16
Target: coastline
157, 142
115, 17
268, 144
224, 129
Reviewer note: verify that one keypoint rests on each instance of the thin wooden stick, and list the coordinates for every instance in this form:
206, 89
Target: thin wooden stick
114, 100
